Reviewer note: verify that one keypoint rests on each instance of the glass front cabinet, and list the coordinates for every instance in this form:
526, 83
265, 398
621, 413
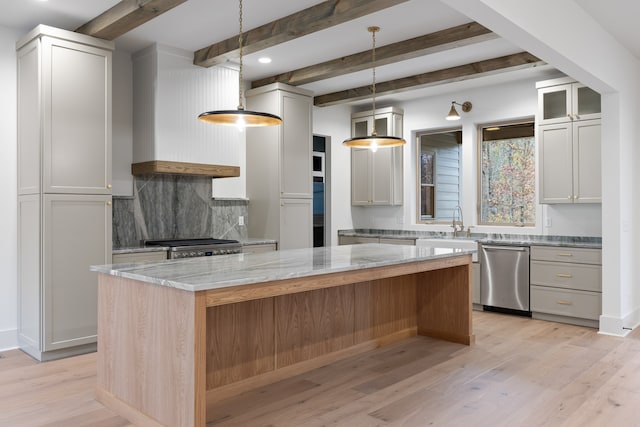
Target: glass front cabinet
562, 100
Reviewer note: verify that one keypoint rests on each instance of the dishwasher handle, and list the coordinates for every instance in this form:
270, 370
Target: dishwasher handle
505, 248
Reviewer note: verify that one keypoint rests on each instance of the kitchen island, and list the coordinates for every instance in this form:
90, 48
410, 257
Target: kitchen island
177, 335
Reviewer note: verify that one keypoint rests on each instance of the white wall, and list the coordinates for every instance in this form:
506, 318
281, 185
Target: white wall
335, 122
491, 103
8, 192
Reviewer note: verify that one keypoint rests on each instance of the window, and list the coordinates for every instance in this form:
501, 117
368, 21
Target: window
507, 174
438, 174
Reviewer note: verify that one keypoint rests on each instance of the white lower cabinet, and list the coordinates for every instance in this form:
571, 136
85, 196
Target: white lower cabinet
566, 285
296, 223
262, 247
61, 236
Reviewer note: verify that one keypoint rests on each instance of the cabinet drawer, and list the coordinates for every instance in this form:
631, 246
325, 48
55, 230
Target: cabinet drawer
564, 254
583, 277
254, 249
354, 240
566, 302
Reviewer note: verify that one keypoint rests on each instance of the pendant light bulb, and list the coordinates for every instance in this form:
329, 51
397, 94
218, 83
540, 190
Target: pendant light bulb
241, 118
374, 141
241, 123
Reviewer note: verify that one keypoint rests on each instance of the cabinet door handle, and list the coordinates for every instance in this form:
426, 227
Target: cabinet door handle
109, 185
565, 254
109, 203
563, 302
569, 197
564, 275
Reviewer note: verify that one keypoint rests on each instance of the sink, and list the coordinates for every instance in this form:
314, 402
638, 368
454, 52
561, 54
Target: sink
455, 243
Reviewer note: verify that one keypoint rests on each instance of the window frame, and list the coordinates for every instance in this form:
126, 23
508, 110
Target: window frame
418, 151
510, 122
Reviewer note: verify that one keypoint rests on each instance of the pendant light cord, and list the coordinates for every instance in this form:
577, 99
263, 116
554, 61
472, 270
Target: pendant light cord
240, 106
373, 85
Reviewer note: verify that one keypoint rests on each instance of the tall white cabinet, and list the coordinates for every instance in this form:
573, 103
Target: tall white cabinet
279, 178
376, 177
64, 188
569, 142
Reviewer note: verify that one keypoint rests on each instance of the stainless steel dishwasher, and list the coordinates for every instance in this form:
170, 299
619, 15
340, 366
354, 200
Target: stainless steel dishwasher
504, 280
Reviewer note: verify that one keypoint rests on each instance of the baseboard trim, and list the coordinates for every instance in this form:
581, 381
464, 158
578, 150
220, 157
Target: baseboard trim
613, 326
631, 320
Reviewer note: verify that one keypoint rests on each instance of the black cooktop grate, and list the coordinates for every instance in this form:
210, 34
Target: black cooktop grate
189, 242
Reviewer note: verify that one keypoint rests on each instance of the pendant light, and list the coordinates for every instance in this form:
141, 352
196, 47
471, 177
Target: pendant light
374, 141
240, 117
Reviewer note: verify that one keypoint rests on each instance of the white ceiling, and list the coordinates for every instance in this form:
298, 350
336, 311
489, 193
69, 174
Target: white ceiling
199, 23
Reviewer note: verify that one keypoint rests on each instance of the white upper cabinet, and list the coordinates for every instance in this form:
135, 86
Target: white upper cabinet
562, 100
569, 143
376, 177
64, 124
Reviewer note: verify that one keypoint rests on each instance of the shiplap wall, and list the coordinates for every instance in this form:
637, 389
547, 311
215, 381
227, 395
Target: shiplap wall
169, 94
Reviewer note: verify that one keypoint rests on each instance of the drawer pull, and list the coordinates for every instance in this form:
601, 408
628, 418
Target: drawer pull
562, 302
565, 254
564, 275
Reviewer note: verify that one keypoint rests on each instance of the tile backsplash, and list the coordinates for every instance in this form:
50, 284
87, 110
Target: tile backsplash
175, 206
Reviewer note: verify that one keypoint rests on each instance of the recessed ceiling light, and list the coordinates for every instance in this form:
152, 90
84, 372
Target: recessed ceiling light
264, 60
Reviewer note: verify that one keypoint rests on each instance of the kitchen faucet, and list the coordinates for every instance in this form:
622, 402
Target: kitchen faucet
455, 226
459, 227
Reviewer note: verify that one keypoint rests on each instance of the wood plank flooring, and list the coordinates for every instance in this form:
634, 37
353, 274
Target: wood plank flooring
520, 372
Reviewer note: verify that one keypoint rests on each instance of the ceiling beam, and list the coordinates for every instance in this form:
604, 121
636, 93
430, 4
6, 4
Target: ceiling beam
315, 18
454, 74
439, 41
125, 16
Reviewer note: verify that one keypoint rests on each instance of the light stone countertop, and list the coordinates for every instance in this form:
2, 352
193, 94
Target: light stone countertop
492, 238
216, 272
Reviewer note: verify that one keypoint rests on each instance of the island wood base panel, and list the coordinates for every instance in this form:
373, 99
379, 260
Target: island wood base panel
163, 353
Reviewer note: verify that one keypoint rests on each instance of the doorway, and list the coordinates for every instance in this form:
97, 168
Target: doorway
320, 171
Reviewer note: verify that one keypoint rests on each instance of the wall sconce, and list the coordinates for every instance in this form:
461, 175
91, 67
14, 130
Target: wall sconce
453, 114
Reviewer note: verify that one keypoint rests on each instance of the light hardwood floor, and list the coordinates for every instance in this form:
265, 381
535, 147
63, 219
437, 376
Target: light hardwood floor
520, 372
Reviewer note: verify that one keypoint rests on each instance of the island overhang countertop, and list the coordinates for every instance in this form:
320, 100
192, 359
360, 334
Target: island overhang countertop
218, 272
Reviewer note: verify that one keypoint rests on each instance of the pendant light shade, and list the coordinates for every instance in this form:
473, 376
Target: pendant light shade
453, 113
374, 141
241, 118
